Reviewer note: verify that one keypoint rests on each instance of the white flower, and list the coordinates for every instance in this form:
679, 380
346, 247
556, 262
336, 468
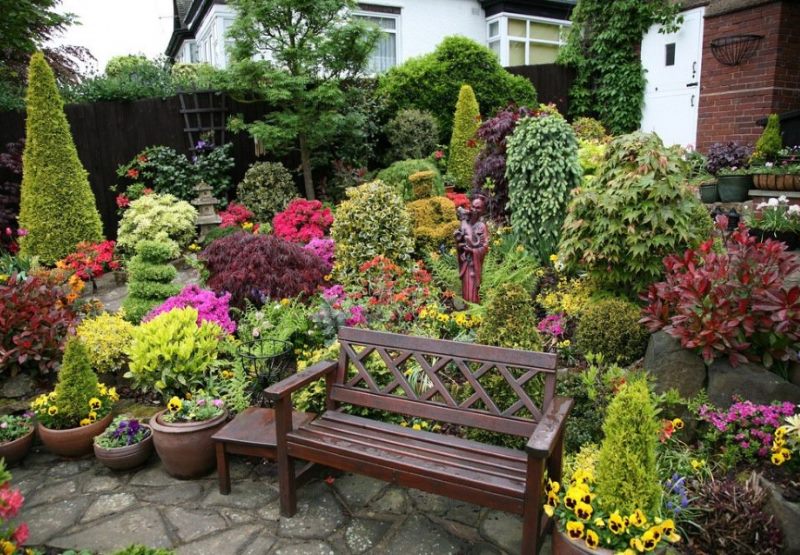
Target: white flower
794, 209
783, 200
773, 202
256, 332
768, 164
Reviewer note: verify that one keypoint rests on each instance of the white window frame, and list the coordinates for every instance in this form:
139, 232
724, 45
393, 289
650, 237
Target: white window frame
504, 38
398, 44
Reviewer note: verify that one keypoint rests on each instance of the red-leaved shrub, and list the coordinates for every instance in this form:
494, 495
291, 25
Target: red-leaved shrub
734, 303
35, 318
259, 267
302, 221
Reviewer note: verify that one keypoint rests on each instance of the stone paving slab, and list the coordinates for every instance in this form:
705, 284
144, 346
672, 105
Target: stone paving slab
79, 504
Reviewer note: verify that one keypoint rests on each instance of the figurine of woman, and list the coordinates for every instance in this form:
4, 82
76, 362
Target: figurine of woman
472, 244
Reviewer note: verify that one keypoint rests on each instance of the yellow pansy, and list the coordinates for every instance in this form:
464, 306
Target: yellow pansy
52, 396
174, 404
651, 538
95, 403
549, 510
638, 518
553, 258
552, 486
697, 464
285, 301
637, 544
85, 422
616, 523
592, 539
599, 522
575, 530
583, 511
92, 415
113, 394
53, 410
677, 423
416, 427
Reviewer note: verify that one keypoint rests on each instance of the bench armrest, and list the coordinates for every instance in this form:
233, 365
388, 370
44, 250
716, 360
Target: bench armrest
544, 437
294, 382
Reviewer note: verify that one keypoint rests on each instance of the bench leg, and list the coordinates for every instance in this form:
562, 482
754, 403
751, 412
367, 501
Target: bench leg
531, 517
223, 470
288, 485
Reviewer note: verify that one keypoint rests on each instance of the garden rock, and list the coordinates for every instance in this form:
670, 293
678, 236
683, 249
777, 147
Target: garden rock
673, 366
787, 515
748, 381
17, 386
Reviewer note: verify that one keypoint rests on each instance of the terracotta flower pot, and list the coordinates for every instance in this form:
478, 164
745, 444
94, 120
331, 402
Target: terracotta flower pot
125, 458
186, 448
562, 545
14, 451
73, 442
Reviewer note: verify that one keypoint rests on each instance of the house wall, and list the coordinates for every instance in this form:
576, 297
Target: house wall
424, 23
733, 98
210, 35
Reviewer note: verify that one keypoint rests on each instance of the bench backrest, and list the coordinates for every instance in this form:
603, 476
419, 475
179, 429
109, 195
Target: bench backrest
460, 383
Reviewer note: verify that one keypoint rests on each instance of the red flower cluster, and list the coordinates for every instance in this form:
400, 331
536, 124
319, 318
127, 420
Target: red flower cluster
734, 303
91, 260
391, 292
459, 199
302, 221
235, 215
123, 201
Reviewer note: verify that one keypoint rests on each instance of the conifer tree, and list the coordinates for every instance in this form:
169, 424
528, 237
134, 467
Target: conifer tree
77, 382
464, 147
57, 205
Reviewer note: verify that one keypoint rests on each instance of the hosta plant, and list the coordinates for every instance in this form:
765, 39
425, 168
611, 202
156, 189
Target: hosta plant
735, 303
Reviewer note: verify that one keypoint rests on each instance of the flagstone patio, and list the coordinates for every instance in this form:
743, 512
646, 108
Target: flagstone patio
79, 504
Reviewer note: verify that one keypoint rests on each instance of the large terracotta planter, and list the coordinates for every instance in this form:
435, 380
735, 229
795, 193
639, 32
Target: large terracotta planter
73, 442
562, 545
186, 449
14, 451
125, 458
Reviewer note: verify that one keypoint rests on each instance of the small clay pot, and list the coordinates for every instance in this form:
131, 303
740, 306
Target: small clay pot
73, 442
186, 448
125, 458
14, 451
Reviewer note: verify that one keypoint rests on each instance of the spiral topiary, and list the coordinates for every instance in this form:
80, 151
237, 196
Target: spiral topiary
151, 276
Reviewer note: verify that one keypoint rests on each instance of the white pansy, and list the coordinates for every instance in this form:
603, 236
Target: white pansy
783, 200
773, 202
794, 209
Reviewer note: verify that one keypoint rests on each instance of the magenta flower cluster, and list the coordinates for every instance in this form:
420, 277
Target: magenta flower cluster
553, 324
333, 293
747, 425
302, 221
323, 248
357, 316
210, 307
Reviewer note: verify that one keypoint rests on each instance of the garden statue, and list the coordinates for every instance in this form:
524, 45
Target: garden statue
207, 217
472, 244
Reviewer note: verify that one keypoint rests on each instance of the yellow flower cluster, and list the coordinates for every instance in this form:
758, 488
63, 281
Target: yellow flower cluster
174, 404
194, 247
582, 522
420, 425
570, 296
461, 319
47, 404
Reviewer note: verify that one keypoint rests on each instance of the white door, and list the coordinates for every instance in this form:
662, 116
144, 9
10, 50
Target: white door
672, 94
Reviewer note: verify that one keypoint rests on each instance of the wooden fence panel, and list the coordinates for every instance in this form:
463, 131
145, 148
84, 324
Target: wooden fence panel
552, 83
108, 134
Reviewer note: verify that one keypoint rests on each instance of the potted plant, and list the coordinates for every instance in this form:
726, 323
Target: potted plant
16, 437
125, 444
182, 435
729, 162
612, 502
775, 219
78, 409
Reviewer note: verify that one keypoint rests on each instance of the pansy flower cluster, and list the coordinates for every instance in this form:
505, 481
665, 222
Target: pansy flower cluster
122, 432
583, 519
787, 439
746, 431
193, 409
47, 411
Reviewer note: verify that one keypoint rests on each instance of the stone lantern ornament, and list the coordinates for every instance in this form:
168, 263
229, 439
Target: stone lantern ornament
207, 217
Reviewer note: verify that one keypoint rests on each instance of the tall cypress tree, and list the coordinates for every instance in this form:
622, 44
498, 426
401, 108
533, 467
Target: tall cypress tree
464, 147
57, 205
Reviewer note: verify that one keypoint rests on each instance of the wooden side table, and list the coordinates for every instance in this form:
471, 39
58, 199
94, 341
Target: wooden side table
251, 433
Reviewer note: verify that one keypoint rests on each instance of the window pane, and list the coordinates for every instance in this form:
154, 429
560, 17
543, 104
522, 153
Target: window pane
516, 28
495, 47
385, 54
516, 53
542, 53
545, 31
385, 23
494, 28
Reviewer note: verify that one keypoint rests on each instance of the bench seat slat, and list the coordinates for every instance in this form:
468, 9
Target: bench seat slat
374, 450
424, 450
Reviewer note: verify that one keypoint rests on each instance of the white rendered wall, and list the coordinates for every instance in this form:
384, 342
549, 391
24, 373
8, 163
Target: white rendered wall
424, 23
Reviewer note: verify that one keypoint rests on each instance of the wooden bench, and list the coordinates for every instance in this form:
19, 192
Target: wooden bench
436, 380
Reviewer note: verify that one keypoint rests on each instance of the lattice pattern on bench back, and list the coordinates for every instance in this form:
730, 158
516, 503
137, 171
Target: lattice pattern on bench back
460, 383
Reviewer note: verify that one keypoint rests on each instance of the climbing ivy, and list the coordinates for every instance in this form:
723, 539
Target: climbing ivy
603, 47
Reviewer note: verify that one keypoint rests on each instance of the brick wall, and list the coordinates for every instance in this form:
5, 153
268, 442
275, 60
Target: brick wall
733, 98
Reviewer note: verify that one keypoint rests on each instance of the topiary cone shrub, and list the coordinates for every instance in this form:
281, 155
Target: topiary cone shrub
464, 146
627, 477
77, 382
57, 206
151, 276
770, 142
435, 222
510, 320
